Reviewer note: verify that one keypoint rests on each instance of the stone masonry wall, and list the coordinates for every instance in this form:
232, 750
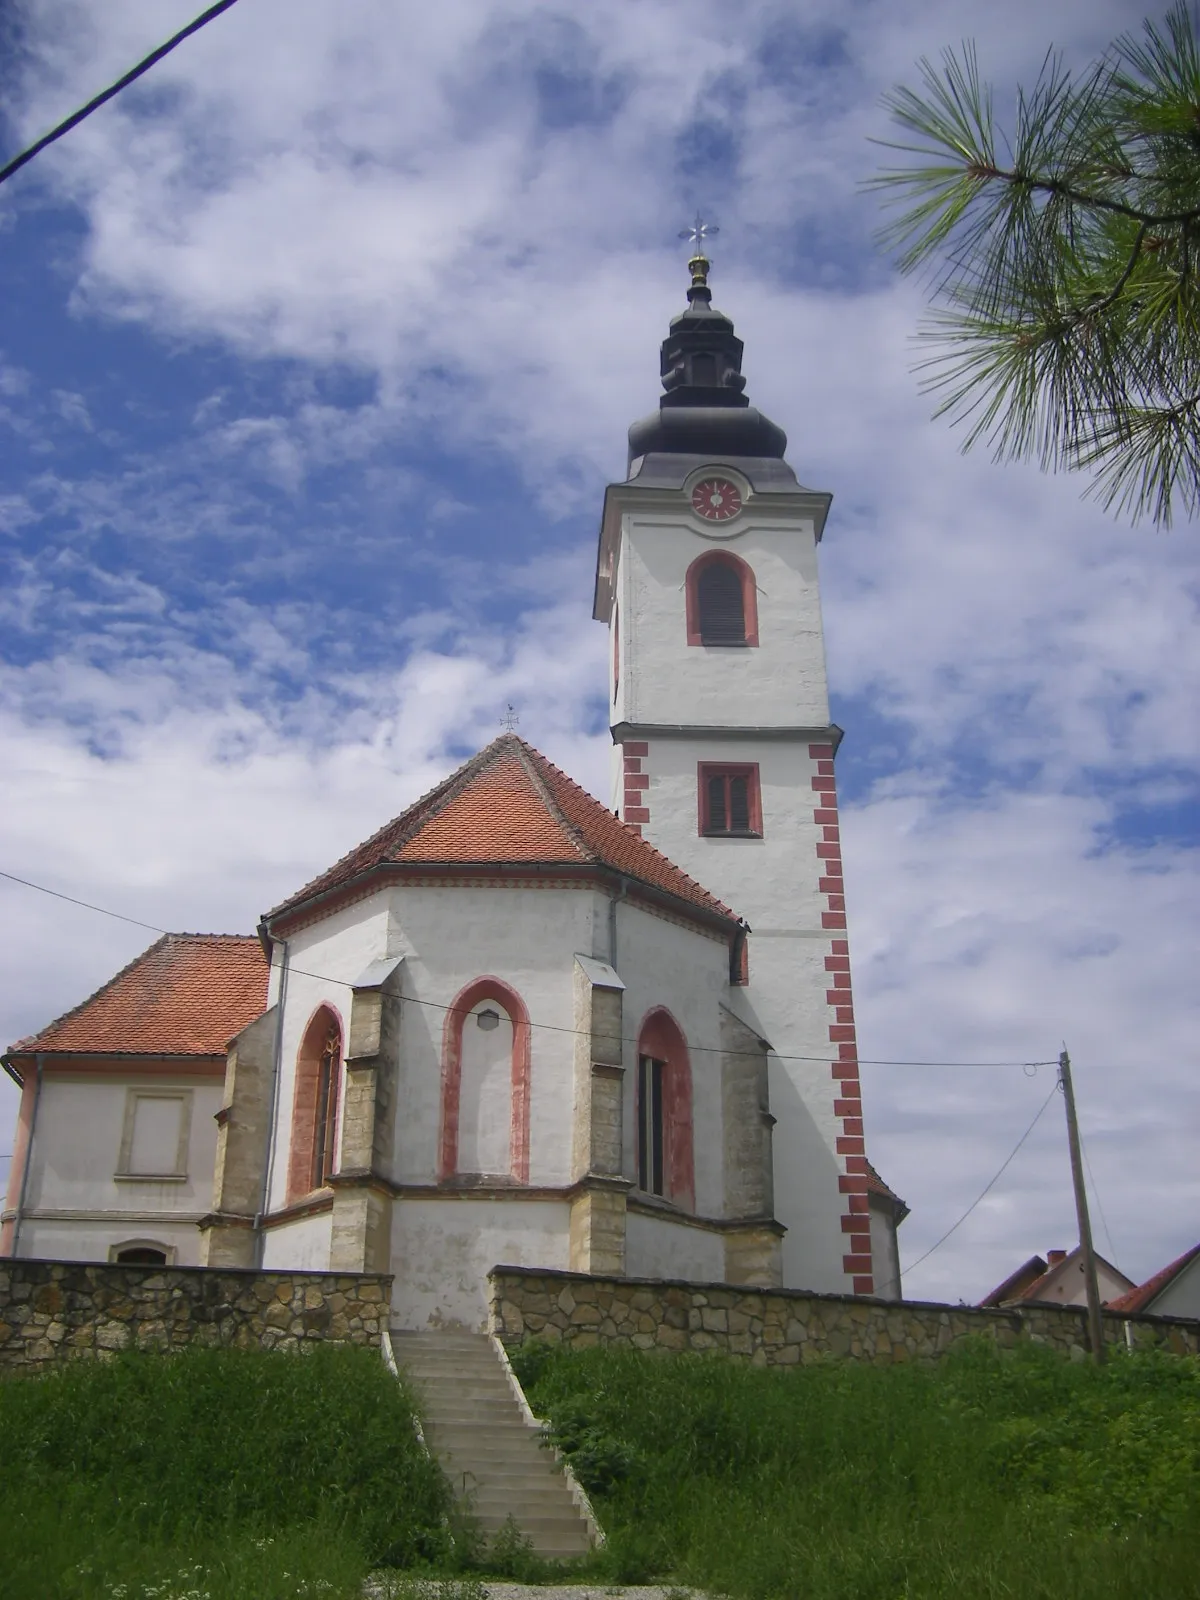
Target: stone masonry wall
55, 1311
784, 1327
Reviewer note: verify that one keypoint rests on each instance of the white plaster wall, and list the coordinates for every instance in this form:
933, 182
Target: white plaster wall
77, 1147
885, 1255
773, 883
443, 1250
323, 961
301, 1246
666, 681
1182, 1297
528, 938
656, 1247
664, 964
91, 1240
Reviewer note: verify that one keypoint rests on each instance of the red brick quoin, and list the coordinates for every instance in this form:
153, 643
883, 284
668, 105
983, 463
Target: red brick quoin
847, 1107
636, 809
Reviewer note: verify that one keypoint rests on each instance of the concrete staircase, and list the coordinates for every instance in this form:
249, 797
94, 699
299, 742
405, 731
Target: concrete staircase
476, 1430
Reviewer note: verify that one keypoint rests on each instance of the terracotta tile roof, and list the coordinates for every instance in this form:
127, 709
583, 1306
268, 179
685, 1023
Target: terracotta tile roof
1018, 1283
185, 996
510, 805
876, 1185
1138, 1299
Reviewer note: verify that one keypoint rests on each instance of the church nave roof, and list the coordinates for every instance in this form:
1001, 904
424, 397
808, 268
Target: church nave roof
509, 806
188, 994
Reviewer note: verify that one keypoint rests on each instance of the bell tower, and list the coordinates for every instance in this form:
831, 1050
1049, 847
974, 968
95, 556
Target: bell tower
724, 752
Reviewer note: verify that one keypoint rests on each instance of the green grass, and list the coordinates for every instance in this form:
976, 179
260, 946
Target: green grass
213, 1475
223, 1475
986, 1476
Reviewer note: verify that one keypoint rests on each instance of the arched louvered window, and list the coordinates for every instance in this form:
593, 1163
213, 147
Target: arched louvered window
721, 605
722, 619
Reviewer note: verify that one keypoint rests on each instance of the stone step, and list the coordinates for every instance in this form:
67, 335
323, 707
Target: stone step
477, 1431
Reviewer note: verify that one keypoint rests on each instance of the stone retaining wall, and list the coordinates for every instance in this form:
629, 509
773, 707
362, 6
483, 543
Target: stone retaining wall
53, 1311
782, 1327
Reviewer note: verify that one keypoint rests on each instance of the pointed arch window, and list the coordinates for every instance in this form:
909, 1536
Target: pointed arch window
663, 1111
316, 1106
722, 604
485, 1085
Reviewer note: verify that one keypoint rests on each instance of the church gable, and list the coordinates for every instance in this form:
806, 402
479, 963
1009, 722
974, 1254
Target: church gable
509, 806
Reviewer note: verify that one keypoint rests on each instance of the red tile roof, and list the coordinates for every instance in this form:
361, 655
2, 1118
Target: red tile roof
509, 805
1138, 1299
876, 1185
185, 996
1017, 1284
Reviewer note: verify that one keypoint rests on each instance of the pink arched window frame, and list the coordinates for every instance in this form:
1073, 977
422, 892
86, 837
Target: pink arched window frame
745, 573
661, 1038
303, 1145
464, 1002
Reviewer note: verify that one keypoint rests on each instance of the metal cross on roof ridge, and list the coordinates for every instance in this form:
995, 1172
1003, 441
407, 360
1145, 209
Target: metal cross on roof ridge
510, 718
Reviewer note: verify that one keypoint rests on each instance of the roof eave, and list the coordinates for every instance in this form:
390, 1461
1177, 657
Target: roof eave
379, 876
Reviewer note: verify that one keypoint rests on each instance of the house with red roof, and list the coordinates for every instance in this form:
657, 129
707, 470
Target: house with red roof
517, 1024
1174, 1291
1058, 1279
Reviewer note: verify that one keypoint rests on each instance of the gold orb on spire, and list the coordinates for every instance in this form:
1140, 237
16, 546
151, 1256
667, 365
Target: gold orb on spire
698, 235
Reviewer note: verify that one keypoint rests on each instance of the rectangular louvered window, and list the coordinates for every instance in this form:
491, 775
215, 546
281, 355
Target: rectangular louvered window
729, 802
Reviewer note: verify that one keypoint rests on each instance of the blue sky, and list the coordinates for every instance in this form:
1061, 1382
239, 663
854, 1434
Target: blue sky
316, 352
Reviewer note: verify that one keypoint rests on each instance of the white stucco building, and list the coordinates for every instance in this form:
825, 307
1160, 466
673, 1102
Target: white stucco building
517, 1025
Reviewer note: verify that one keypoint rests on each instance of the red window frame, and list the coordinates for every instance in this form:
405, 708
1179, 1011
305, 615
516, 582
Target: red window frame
706, 771
723, 558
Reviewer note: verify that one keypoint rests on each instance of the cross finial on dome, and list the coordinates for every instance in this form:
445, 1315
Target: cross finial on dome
698, 236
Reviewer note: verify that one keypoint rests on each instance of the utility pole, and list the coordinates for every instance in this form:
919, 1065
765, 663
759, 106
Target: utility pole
1095, 1324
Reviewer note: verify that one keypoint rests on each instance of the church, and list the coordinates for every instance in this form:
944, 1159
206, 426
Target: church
518, 1025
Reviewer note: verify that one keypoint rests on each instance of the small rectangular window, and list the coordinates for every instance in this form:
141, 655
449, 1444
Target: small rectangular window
729, 802
650, 1125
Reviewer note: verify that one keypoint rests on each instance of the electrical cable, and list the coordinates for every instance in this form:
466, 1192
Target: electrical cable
546, 1027
77, 117
912, 1266
1112, 1249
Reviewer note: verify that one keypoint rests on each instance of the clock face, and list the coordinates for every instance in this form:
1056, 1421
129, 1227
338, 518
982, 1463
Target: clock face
716, 499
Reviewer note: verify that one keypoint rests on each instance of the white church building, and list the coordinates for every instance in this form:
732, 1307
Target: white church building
518, 1025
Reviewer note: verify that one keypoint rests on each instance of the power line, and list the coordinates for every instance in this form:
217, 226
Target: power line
546, 1027
915, 1264
77, 117
1112, 1249
86, 904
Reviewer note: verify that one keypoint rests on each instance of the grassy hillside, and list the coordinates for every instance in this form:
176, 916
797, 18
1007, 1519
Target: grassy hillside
986, 1476
212, 1475
222, 1475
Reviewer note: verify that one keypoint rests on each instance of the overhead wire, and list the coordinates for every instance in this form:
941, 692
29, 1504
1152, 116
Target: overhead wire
1112, 1249
105, 95
547, 1027
913, 1265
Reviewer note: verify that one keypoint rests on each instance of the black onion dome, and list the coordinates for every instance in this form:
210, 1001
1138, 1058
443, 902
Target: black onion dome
703, 410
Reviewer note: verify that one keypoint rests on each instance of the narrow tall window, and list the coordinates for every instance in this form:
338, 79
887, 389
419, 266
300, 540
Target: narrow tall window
722, 613
729, 802
326, 1108
663, 1112
650, 1124
315, 1106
